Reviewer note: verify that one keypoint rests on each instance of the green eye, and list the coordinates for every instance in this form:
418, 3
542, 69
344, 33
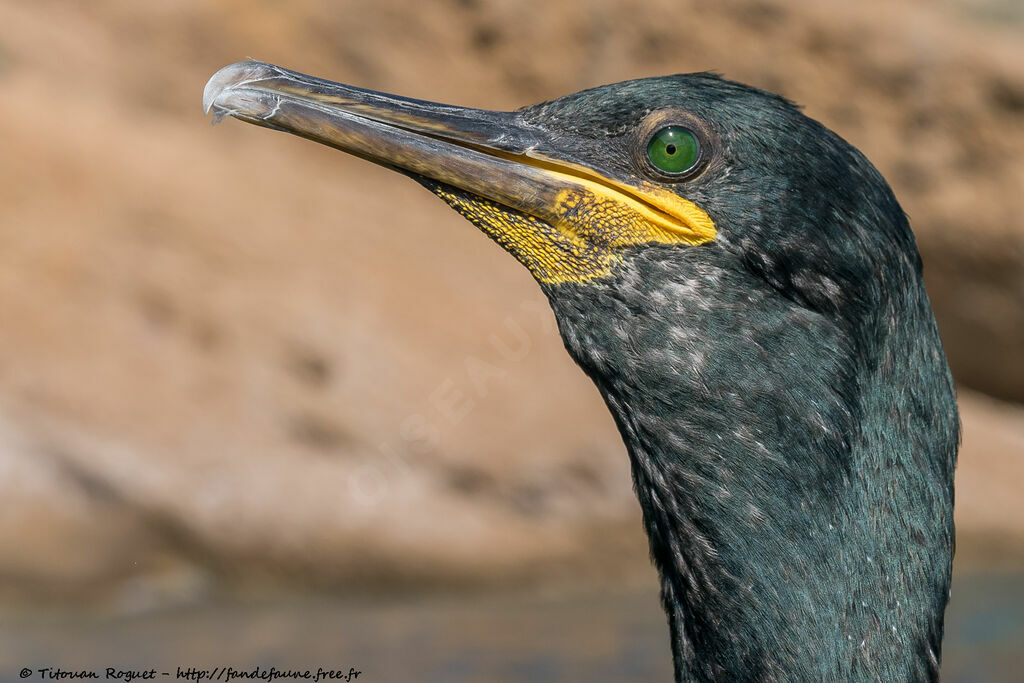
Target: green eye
674, 149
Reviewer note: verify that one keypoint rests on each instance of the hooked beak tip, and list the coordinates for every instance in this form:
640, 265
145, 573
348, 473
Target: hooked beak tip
233, 76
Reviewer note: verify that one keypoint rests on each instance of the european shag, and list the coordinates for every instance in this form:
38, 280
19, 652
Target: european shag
745, 291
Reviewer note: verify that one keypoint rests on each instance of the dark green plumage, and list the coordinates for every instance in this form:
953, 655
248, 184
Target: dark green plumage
784, 396
781, 388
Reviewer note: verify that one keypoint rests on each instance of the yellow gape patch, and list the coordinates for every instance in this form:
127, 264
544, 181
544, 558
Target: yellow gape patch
580, 235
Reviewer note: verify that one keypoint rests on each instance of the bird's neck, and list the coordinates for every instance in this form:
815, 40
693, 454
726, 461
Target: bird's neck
797, 497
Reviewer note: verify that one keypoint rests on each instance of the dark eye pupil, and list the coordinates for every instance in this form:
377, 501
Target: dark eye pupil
670, 149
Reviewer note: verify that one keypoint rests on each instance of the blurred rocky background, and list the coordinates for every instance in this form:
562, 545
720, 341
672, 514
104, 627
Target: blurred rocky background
238, 362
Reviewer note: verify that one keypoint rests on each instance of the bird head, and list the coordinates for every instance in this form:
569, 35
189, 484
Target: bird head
745, 291
577, 187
